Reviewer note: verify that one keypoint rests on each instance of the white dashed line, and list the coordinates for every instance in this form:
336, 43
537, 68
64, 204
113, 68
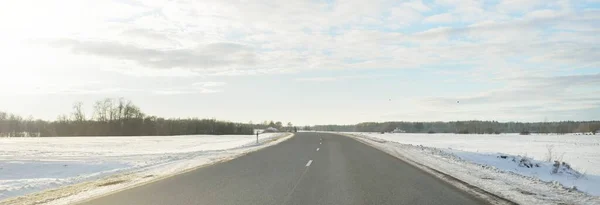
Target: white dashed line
317, 149
309, 162
320, 143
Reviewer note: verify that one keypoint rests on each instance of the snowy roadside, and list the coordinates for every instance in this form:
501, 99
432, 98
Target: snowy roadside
522, 180
101, 166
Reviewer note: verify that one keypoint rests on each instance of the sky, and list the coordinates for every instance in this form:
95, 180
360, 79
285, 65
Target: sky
305, 62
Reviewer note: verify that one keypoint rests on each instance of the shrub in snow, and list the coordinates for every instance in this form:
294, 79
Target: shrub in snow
573, 188
549, 153
523, 161
565, 168
560, 168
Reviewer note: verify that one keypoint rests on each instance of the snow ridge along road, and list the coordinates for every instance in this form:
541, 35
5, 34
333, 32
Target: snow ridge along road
71, 169
519, 180
344, 171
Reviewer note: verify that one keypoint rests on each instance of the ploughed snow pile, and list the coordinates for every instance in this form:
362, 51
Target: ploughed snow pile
559, 173
30, 165
485, 161
556, 168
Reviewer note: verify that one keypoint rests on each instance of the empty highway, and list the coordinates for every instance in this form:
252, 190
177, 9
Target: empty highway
310, 168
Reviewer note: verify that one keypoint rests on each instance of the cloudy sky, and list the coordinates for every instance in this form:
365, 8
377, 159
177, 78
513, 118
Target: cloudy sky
308, 62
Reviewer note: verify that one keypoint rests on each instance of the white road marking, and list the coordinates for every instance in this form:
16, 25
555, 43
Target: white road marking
317, 149
287, 198
320, 143
309, 162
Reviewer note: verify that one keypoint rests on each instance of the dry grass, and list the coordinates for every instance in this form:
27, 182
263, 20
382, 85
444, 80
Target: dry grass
112, 183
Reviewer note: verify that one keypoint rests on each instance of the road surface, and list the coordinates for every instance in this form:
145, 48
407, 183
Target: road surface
310, 168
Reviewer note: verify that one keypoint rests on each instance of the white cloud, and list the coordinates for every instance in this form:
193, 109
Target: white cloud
319, 79
416, 5
198, 87
440, 18
542, 14
533, 96
518, 5
183, 91
179, 35
461, 5
201, 57
545, 92
200, 43
209, 84
339, 78
437, 34
403, 16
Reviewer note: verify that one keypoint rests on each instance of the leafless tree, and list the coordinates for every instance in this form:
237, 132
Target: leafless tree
78, 114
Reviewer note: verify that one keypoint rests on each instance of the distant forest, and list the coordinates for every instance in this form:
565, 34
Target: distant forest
467, 127
119, 117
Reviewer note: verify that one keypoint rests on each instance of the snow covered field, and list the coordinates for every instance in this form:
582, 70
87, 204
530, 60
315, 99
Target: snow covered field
516, 167
30, 165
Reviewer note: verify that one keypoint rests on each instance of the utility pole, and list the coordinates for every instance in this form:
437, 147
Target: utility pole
257, 137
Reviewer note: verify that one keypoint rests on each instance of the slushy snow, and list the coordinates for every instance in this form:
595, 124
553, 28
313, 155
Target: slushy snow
520, 168
29, 165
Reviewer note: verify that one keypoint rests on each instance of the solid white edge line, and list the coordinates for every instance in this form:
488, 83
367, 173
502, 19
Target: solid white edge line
309, 162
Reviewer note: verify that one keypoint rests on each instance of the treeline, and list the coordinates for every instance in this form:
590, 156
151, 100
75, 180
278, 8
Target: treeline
466, 127
115, 117
277, 125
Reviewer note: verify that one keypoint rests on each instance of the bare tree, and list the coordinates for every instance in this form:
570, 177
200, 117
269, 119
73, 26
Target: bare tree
120, 108
108, 105
78, 114
131, 111
62, 118
100, 113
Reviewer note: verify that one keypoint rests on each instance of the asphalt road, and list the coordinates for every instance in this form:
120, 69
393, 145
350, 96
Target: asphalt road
310, 168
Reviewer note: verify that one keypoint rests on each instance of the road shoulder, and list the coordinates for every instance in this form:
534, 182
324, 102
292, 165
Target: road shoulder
487, 183
81, 192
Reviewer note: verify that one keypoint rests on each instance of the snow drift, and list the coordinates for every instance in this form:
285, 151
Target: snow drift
514, 167
29, 165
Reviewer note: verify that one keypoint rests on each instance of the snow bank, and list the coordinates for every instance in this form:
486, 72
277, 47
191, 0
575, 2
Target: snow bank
105, 164
488, 162
581, 151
